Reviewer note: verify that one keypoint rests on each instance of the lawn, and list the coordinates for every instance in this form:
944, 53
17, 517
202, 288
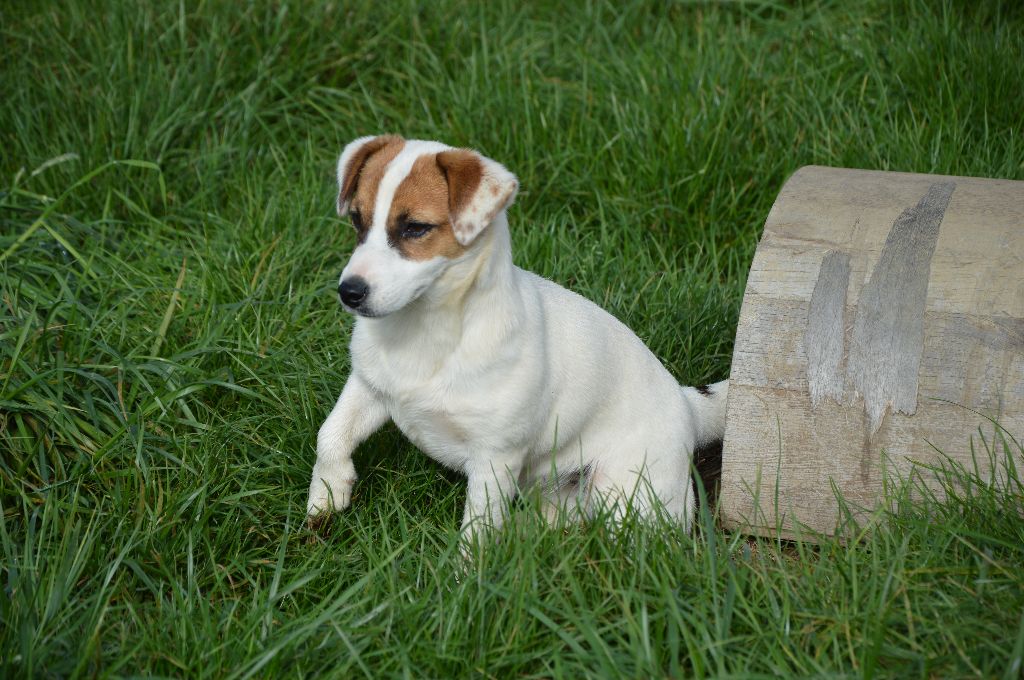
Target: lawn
170, 339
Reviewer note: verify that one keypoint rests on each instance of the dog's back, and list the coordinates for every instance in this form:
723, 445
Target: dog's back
615, 409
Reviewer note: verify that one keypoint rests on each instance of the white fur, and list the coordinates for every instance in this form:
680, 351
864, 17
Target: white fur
509, 378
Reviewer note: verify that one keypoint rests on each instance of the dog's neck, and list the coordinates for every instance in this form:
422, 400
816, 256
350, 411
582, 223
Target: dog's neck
443, 317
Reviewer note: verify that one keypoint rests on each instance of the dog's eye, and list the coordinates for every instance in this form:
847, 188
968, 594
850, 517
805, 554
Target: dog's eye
357, 219
416, 229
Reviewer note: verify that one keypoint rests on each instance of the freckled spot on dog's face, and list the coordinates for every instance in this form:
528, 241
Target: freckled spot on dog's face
422, 197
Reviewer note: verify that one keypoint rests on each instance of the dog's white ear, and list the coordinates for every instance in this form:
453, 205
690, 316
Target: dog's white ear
478, 189
353, 158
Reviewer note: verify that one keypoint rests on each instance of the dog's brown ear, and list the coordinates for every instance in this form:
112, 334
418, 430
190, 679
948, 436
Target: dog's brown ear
478, 189
353, 157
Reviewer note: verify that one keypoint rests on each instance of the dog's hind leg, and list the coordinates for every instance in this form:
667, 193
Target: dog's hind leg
565, 494
491, 483
358, 414
620, 489
564, 505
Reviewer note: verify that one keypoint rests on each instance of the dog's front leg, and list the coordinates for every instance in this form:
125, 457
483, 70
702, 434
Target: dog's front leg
490, 485
358, 414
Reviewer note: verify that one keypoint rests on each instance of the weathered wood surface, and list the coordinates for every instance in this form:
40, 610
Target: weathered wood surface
883, 317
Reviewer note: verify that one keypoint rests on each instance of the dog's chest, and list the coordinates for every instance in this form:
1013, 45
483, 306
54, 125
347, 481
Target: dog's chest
435, 431
438, 413
457, 404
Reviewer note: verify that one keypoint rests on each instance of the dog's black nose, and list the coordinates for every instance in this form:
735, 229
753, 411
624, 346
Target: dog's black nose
353, 291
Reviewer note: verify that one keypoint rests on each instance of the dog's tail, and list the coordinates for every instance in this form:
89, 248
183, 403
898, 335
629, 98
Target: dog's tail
707, 403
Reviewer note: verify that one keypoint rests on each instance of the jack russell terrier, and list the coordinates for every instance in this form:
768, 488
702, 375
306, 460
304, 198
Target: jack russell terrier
489, 369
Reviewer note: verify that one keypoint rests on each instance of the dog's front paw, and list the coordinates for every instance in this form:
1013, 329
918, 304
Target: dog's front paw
329, 491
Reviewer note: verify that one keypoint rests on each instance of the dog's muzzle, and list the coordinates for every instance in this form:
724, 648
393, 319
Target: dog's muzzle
353, 291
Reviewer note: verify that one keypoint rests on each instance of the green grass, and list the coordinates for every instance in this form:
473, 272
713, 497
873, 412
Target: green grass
170, 341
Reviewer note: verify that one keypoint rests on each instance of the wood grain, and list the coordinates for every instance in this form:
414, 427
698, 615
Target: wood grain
883, 319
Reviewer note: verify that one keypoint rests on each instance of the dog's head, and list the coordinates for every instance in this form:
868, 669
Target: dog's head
417, 208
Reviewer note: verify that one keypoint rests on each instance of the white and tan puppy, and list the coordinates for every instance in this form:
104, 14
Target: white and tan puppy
489, 369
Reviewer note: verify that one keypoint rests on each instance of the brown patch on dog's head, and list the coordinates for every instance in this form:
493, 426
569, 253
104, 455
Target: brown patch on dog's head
365, 198
478, 189
361, 176
423, 199
447, 199
462, 171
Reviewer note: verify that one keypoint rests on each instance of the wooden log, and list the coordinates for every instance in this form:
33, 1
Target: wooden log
883, 320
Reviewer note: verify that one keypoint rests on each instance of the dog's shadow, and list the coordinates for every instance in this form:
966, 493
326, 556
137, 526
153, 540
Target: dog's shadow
389, 465
707, 463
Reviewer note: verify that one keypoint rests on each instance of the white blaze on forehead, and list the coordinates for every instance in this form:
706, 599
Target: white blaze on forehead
398, 169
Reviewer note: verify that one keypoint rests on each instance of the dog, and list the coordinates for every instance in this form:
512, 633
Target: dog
489, 369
